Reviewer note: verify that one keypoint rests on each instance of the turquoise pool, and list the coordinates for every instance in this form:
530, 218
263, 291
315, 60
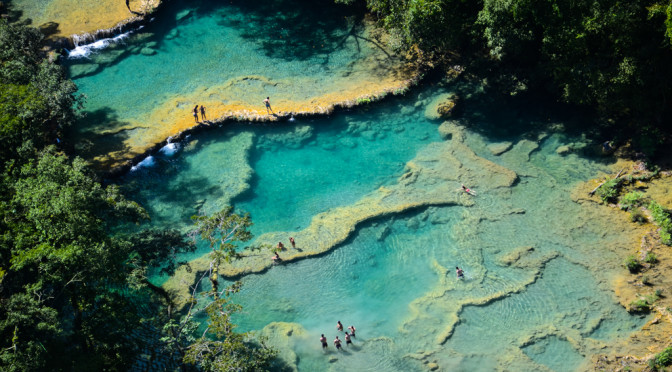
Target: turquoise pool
537, 292
394, 277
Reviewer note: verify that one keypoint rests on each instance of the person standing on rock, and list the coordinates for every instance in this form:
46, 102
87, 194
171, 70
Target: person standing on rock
291, 240
196, 113
267, 102
203, 113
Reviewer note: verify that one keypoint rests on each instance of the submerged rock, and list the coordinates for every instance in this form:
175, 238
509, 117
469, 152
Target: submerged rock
499, 148
293, 139
147, 51
284, 337
183, 14
81, 70
442, 107
563, 150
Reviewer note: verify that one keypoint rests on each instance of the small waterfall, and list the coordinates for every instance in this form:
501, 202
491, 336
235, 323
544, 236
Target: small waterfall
170, 148
85, 44
145, 163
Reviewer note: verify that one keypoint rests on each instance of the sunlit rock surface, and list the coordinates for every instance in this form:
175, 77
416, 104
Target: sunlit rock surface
65, 18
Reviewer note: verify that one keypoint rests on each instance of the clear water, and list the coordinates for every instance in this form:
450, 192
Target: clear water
394, 277
227, 56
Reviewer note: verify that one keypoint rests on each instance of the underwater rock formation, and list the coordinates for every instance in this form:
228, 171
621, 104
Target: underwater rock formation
432, 178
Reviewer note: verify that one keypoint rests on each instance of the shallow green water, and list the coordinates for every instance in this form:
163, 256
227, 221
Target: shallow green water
394, 277
231, 54
384, 278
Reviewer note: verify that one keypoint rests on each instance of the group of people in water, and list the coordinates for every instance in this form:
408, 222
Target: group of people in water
337, 342
281, 247
202, 110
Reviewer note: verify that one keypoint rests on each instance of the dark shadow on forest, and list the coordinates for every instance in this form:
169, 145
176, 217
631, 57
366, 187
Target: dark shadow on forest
87, 134
13, 14
294, 30
528, 115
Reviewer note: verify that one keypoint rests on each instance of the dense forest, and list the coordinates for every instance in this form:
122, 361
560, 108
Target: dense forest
74, 256
611, 56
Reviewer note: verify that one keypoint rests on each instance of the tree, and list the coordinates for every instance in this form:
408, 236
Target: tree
219, 347
36, 99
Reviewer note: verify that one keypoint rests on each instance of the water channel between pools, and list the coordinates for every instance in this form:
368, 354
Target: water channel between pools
537, 293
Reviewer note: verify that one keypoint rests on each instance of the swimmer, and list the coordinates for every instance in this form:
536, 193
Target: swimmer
281, 246
337, 343
323, 340
352, 331
339, 326
468, 190
459, 272
348, 341
276, 258
291, 240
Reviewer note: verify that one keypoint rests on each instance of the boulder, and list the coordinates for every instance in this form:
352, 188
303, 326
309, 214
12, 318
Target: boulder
442, 107
563, 150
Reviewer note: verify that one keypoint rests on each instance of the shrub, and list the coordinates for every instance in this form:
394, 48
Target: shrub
652, 298
650, 258
662, 218
646, 280
609, 190
640, 306
632, 264
662, 359
636, 215
631, 200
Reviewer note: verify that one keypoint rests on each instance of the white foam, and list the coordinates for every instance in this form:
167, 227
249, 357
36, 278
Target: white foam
170, 149
145, 163
83, 51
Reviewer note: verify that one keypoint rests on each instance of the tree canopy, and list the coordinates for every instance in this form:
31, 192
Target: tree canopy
610, 55
74, 260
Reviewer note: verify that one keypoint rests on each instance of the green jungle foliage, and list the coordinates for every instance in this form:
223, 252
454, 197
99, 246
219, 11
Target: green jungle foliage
74, 288
661, 360
609, 190
632, 264
631, 200
662, 218
606, 54
36, 100
650, 258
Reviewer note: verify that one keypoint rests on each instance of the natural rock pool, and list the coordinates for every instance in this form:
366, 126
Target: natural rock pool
229, 58
537, 293
371, 195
